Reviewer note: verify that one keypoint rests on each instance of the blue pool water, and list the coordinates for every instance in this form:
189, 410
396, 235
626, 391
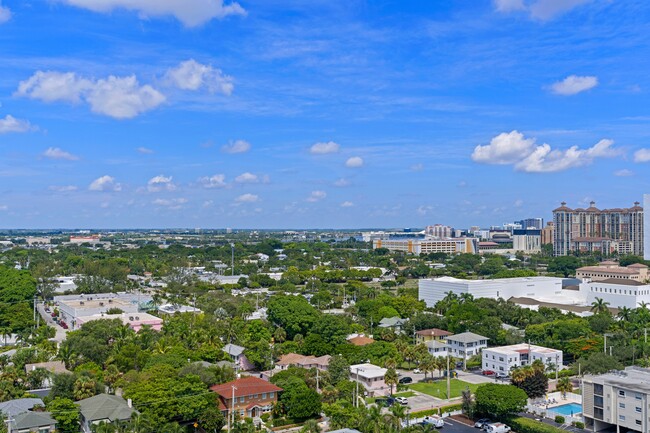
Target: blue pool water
567, 409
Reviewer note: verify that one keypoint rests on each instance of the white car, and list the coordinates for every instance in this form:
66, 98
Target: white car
434, 420
497, 427
417, 371
402, 400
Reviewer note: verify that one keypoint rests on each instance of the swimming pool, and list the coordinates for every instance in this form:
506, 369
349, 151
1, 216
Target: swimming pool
567, 409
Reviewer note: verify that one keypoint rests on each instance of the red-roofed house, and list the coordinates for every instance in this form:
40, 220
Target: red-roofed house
252, 396
433, 334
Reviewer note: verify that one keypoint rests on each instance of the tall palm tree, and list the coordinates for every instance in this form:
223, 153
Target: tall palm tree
399, 414
599, 306
174, 427
564, 385
391, 378
624, 314
374, 420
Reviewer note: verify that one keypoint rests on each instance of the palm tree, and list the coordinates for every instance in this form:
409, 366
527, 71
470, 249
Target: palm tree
624, 314
311, 426
374, 420
391, 378
599, 306
518, 375
465, 297
399, 413
538, 366
174, 427
139, 423
564, 385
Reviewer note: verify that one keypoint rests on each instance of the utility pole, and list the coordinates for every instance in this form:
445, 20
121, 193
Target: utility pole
231, 418
34, 310
557, 367
317, 381
356, 397
232, 251
448, 379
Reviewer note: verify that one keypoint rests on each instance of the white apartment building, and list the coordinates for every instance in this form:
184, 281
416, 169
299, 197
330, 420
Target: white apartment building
466, 345
617, 292
439, 231
617, 401
429, 245
432, 290
527, 240
503, 359
437, 347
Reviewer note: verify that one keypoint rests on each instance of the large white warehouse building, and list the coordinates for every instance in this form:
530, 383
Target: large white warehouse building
433, 290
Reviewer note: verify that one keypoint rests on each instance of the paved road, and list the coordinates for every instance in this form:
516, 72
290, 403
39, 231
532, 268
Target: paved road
60, 332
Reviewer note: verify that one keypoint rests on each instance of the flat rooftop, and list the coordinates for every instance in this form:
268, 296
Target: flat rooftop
498, 280
95, 303
521, 348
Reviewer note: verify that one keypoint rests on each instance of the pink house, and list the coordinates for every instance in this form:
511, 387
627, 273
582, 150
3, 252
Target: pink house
135, 320
371, 377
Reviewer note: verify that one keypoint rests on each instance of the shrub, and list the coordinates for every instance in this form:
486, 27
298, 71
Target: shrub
451, 408
559, 419
265, 417
424, 413
578, 424
527, 425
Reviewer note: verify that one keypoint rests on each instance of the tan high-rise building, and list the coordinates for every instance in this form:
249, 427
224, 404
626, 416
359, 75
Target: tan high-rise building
547, 233
596, 230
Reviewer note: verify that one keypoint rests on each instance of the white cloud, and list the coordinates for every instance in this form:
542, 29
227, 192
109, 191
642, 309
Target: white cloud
354, 162
342, 182
505, 148
509, 5
347, 204
145, 150
574, 84
58, 153
191, 13
214, 181
518, 203
105, 183
247, 178
161, 183
623, 173
237, 146
316, 196
324, 148
4, 207
247, 198
513, 148
117, 97
417, 167
11, 124
542, 10
424, 210
642, 155
173, 203
62, 188
192, 75
5, 14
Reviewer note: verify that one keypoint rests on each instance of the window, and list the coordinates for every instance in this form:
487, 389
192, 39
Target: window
621, 393
638, 397
638, 409
598, 413
263, 396
638, 422
598, 401
241, 399
271, 394
598, 389
621, 405
621, 417
501, 358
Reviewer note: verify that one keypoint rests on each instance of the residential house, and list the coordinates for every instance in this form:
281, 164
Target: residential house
249, 396
437, 347
20, 405
394, 323
103, 408
466, 345
360, 340
433, 334
237, 356
296, 360
503, 359
36, 422
371, 377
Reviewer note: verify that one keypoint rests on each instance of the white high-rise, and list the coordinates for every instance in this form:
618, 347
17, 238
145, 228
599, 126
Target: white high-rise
646, 228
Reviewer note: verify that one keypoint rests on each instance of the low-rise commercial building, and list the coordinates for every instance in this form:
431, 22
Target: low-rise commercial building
425, 246
527, 240
134, 320
371, 377
617, 401
503, 359
611, 270
71, 307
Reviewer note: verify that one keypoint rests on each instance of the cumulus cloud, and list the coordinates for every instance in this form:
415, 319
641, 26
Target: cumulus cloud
574, 84
316, 196
509, 5
105, 183
237, 146
347, 204
214, 181
623, 173
173, 203
62, 188
247, 198
354, 162
542, 10
144, 150
342, 182
5, 14
642, 155
10, 124
513, 148
247, 178
117, 97
324, 148
192, 75
161, 183
191, 13
58, 153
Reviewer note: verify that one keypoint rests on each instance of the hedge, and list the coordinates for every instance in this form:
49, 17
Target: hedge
578, 424
527, 425
559, 419
425, 413
438, 411
451, 408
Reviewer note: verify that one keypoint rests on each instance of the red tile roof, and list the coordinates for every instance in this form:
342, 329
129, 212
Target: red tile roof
433, 332
361, 340
244, 387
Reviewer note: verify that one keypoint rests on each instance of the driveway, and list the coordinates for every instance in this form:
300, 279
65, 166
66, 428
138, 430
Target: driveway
60, 332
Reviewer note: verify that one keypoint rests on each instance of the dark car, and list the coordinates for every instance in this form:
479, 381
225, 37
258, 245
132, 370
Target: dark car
405, 380
384, 401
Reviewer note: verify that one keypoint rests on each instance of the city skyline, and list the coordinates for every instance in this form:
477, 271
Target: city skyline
133, 114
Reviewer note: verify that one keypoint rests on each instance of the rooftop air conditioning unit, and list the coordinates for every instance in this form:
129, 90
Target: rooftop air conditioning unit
130, 318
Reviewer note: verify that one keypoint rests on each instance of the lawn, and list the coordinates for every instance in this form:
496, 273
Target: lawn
439, 389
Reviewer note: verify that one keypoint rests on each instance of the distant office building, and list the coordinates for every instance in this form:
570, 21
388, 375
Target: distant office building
531, 223
548, 233
646, 228
598, 230
611, 270
439, 231
617, 401
527, 240
425, 246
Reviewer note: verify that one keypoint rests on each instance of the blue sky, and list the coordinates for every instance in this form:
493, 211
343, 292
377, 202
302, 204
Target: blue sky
319, 114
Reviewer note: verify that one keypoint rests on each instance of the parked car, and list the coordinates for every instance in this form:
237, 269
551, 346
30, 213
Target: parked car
417, 371
434, 420
497, 427
384, 401
47, 310
482, 422
63, 325
405, 380
488, 372
401, 400
501, 375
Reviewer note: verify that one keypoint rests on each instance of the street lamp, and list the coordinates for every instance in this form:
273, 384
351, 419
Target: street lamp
232, 250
